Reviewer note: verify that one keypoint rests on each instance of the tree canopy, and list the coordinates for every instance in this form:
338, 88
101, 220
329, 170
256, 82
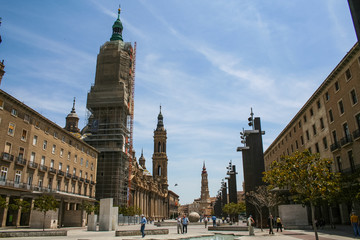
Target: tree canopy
307, 176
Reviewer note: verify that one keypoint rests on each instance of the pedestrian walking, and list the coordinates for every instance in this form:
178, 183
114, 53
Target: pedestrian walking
214, 221
271, 224
185, 222
205, 221
179, 225
251, 223
278, 224
354, 220
143, 222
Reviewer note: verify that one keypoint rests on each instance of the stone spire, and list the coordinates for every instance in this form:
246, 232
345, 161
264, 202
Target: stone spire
142, 160
72, 120
117, 29
160, 124
205, 196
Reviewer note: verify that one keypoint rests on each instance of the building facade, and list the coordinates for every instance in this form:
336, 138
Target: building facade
109, 104
39, 157
328, 124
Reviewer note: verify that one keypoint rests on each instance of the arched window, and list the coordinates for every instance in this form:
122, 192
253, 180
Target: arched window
159, 147
164, 147
159, 170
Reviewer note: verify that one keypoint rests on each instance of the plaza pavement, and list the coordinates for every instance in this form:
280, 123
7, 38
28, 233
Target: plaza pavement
197, 230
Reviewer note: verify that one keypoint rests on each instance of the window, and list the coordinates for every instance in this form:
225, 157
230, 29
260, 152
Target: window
317, 147
353, 97
357, 119
81, 161
67, 169
334, 136
325, 143
58, 187
50, 183
17, 178
314, 129
35, 140
87, 163
69, 155
351, 160
292, 148
63, 138
23, 135
74, 171
61, 152
311, 112
322, 123
302, 140
55, 135
296, 144
307, 135
337, 86
289, 134
305, 118
14, 112
348, 74
52, 163
339, 163
331, 116
42, 161
1, 104
341, 107
294, 129
7, 147
60, 166
310, 151
80, 173
11, 129
92, 166
47, 129
318, 104
3, 176
327, 96
346, 131
44, 144
75, 159
30, 179
40, 182
37, 124
300, 124
32, 157
21, 153
53, 149
86, 175
26, 118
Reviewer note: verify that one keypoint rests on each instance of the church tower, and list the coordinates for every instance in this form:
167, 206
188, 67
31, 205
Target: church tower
72, 121
159, 157
109, 104
205, 203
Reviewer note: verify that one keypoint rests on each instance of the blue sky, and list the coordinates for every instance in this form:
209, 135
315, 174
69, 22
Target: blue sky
205, 62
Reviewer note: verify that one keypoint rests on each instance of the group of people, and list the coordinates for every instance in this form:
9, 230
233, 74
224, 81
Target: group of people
272, 222
182, 223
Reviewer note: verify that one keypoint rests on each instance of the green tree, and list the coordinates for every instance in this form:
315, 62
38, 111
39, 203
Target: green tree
307, 176
3, 203
19, 204
90, 208
234, 209
44, 204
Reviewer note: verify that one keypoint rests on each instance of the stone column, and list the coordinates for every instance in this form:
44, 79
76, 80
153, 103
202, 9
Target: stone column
18, 215
4, 217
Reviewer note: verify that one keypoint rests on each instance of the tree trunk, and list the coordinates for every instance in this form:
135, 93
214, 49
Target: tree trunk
313, 220
261, 225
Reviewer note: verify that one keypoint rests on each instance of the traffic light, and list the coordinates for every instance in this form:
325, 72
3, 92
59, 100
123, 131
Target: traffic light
250, 121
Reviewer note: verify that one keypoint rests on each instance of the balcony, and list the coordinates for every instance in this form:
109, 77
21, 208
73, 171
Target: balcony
346, 140
87, 181
356, 134
74, 177
20, 161
81, 179
92, 182
60, 173
7, 157
42, 168
335, 146
32, 165
68, 175
52, 170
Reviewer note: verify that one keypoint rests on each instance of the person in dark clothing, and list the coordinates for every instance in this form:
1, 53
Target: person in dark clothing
271, 224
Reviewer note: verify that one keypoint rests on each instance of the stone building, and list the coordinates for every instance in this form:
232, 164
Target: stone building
109, 103
150, 192
39, 157
328, 124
